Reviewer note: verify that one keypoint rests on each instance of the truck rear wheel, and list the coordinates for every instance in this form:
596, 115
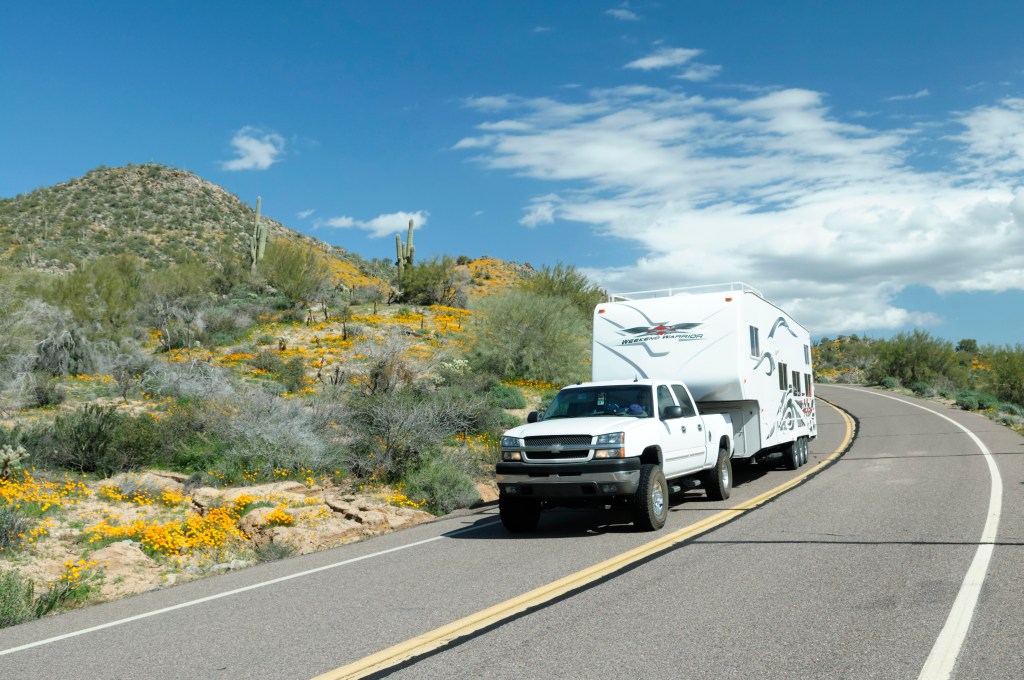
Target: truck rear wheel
718, 480
518, 514
650, 505
791, 455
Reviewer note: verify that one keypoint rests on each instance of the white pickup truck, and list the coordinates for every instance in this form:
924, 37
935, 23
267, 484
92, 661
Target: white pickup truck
685, 381
612, 443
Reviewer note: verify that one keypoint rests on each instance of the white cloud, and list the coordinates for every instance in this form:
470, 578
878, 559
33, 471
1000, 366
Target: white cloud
699, 73
542, 29
303, 214
622, 13
540, 212
664, 57
994, 137
382, 225
256, 149
826, 216
920, 94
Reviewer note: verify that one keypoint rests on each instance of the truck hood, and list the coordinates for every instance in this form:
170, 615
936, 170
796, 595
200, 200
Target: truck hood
592, 426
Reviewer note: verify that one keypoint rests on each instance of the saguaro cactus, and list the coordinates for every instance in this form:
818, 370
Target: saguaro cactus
258, 240
404, 251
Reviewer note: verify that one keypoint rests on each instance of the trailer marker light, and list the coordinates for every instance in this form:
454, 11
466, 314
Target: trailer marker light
728, 299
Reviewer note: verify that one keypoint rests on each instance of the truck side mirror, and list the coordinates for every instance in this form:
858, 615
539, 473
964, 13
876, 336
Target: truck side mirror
532, 417
671, 412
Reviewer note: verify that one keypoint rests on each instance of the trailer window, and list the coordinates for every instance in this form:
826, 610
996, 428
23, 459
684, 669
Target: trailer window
684, 400
807, 385
796, 383
783, 377
755, 342
807, 355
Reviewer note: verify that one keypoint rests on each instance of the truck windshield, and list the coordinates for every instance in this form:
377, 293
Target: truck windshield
585, 402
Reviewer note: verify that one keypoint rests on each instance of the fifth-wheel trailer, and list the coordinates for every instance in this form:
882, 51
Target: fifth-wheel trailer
745, 363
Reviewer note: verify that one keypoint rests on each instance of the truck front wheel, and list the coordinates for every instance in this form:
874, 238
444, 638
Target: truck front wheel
718, 480
650, 505
518, 514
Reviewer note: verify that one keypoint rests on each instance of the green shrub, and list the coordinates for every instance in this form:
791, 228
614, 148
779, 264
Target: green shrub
923, 389
268, 361
13, 527
520, 334
82, 440
890, 383
566, 282
15, 598
294, 269
293, 375
443, 484
271, 552
508, 396
915, 357
508, 421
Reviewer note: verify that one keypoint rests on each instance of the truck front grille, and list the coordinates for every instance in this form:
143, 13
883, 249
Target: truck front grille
561, 439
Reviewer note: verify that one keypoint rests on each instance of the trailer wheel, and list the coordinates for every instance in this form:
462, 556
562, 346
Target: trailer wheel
791, 455
518, 514
718, 480
804, 450
650, 505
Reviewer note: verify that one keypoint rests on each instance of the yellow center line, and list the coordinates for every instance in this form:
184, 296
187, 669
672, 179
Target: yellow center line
440, 637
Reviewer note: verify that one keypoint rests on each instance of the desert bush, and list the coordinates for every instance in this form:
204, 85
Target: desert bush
923, 389
915, 357
269, 361
42, 391
1007, 369
82, 440
443, 483
435, 281
391, 431
508, 421
565, 281
272, 552
507, 396
293, 374
264, 432
296, 270
16, 602
14, 524
520, 334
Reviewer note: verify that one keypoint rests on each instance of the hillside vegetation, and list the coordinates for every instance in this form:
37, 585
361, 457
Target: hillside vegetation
151, 352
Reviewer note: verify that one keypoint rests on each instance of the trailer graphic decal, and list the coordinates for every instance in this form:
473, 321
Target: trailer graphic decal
660, 331
771, 362
781, 323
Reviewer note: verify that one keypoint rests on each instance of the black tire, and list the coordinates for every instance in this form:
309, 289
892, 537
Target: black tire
650, 505
518, 514
804, 450
718, 480
791, 456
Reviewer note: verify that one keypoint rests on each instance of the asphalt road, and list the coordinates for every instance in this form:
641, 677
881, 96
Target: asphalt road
851, 574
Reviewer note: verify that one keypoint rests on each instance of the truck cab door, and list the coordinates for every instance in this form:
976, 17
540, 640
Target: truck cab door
686, 448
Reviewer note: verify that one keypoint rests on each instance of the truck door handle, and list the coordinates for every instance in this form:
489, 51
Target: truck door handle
682, 428
700, 427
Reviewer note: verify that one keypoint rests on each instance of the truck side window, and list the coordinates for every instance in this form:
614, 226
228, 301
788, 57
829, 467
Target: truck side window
664, 399
755, 342
684, 400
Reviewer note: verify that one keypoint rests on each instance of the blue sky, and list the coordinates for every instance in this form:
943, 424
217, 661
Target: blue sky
859, 162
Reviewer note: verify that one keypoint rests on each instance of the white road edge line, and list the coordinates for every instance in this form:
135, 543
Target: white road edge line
254, 586
940, 662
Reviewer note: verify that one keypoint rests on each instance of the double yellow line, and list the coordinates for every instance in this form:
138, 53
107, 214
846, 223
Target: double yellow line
445, 635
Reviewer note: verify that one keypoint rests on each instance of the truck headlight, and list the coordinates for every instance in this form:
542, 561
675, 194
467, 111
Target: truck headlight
611, 438
511, 443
